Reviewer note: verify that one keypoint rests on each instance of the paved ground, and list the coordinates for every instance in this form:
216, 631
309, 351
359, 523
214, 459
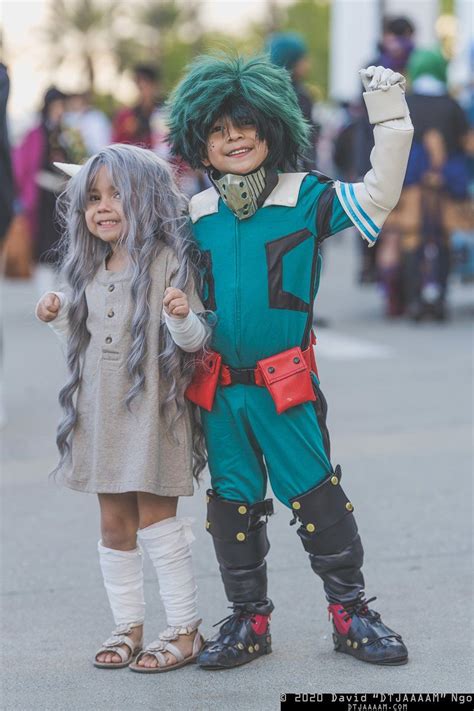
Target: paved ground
400, 418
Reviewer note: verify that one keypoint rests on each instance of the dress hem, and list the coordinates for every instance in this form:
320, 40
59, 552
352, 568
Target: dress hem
124, 488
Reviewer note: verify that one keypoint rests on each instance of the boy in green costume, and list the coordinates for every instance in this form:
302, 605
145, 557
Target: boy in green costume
259, 229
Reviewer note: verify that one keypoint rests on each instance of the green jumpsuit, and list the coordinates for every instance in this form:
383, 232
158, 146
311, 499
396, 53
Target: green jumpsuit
261, 276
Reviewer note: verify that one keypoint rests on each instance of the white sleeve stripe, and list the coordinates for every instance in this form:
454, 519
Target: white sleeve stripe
352, 208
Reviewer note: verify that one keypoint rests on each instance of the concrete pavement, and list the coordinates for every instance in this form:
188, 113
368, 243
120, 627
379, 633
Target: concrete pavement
400, 417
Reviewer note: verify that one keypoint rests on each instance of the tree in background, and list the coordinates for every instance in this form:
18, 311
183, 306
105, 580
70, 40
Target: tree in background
170, 33
80, 30
165, 32
311, 19
85, 32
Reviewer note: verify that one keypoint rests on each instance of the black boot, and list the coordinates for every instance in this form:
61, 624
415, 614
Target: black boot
241, 544
244, 636
360, 632
329, 534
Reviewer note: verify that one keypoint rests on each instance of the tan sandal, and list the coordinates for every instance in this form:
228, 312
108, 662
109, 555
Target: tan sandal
163, 644
113, 644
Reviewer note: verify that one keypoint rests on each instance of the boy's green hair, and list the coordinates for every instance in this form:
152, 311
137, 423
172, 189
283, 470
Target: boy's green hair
246, 91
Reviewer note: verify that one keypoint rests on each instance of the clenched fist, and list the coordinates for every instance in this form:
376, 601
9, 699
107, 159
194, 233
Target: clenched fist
381, 78
48, 307
175, 302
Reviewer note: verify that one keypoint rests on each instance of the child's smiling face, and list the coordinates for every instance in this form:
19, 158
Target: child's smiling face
234, 149
104, 214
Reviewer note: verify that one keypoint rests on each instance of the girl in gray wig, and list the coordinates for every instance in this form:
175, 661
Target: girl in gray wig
129, 314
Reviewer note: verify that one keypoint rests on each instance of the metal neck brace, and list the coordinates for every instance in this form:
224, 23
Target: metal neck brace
244, 194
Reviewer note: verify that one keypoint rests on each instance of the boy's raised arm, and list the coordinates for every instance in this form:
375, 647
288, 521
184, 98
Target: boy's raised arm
369, 202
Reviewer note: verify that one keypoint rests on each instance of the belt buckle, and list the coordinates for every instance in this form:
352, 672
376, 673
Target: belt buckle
242, 376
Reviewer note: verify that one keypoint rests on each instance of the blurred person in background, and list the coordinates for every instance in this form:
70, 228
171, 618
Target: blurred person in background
348, 117
289, 50
92, 124
414, 262
15, 243
6, 203
135, 124
394, 49
37, 182
145, 125
462, 235
6, 182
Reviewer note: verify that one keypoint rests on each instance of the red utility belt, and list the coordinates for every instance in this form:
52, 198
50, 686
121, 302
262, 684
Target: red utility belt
286, 375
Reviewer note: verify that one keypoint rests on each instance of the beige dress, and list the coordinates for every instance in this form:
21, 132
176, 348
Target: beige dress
115, 450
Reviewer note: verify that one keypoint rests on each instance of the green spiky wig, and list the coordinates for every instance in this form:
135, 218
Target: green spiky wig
245, 91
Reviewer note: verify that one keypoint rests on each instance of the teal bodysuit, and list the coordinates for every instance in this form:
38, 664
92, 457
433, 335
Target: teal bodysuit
261, 276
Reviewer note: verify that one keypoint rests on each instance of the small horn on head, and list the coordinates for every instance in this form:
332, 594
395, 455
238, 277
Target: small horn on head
70, 169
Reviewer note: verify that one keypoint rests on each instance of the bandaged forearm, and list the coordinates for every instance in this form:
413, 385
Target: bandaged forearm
369, 203
188, 333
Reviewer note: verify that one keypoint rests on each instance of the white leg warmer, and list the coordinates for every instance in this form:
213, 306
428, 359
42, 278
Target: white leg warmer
123, 581
168, 545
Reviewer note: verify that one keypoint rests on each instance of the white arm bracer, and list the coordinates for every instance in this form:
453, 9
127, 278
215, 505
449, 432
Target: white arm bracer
188, 333
60, 324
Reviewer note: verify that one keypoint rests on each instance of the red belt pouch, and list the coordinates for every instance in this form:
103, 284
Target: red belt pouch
287, 378
202, 388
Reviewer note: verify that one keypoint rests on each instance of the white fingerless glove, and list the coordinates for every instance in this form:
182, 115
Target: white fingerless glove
384, 94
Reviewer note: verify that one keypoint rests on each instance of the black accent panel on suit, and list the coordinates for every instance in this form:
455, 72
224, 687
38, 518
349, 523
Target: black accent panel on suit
270, 185
321, 409
205, 266
276, 250
324, 213
323, 226
309, 321
321, 177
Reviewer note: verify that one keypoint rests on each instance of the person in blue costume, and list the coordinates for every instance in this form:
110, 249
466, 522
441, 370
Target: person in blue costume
289, 50
259, 228
438, 170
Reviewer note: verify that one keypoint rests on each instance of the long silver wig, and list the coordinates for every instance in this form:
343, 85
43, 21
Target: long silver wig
155, 213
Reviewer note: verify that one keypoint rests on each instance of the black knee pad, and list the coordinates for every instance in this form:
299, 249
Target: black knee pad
245, 554
332, 540
325, 514
238, 531
241, 544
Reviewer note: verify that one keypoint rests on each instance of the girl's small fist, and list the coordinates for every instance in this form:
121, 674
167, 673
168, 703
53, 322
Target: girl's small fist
175, 303
48, 307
